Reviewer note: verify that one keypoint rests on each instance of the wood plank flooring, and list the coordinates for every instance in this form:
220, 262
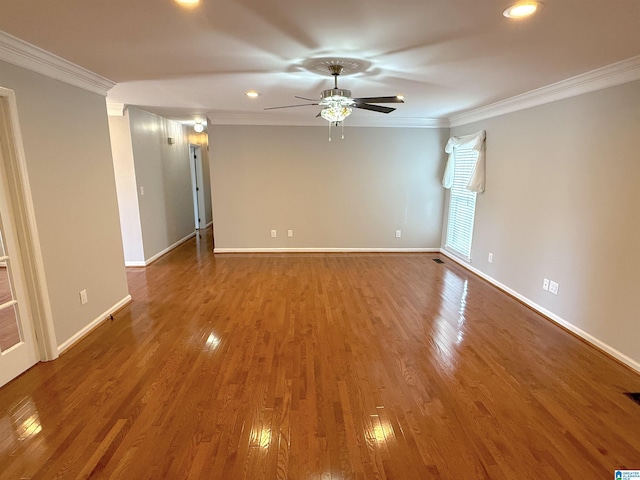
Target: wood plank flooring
323, 366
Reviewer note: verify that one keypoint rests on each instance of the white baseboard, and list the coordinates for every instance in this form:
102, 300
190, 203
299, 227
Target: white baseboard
140, 263
168, 249
135, 264
550, 315
101, 318
326, 250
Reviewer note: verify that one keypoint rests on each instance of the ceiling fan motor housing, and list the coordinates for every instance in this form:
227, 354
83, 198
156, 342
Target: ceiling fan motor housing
336, 95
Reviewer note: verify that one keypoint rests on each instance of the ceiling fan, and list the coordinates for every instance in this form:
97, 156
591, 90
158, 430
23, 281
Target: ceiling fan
337, 103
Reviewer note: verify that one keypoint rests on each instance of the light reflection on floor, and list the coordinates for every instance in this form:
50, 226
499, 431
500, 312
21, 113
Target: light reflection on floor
449, 332
212, 341
24, 421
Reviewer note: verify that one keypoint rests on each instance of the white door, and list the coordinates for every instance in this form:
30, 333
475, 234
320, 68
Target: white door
18, 349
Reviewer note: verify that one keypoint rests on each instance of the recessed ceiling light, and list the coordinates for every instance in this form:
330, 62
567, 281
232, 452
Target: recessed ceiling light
252, 94
188, 3
522, 9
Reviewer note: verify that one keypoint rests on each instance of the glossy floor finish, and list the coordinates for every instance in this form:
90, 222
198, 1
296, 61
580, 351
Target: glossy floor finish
346, 366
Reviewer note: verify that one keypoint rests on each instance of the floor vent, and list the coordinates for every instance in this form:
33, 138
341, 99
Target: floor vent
437, 260
635, 396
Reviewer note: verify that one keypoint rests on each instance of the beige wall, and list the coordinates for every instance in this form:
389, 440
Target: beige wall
66, 143
166, 208
351, 193
561, 202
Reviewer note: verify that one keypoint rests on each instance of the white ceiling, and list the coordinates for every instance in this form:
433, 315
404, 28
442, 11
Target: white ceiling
445, 56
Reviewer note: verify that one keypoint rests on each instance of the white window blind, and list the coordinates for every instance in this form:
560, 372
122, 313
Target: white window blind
462, 203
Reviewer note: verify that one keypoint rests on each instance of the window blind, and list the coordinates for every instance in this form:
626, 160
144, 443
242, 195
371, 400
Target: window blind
462, 203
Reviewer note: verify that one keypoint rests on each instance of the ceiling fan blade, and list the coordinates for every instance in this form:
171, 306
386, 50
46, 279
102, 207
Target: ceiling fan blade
310, 99
319, 114
291, 106
373, 108
379, 100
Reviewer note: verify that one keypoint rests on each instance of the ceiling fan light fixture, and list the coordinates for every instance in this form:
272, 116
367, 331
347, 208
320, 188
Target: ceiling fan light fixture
522, 9
335, 113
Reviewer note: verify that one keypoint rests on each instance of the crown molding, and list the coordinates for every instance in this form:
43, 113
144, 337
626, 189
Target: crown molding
23, 54
310, 121
115, 109
604, 77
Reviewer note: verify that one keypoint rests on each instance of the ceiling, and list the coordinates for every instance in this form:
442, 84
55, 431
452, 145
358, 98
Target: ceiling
444, 56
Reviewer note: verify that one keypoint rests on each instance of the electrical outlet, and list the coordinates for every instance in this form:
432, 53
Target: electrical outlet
545, 284
553, 287
490, 259
289, 233
141, 191
273, 234
398, 233
83, 297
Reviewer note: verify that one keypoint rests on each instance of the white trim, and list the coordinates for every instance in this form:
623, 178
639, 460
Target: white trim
23, 54
609, 76
115, 109
281, 119
135, 263
587, 337
207, 225
168, 249
145, 263
87, 329
325, 250
40, 301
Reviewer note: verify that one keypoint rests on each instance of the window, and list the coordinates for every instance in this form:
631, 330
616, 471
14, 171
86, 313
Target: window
465, 175
462, 202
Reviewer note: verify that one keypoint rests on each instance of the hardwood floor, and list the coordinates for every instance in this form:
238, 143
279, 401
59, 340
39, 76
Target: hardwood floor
346, 366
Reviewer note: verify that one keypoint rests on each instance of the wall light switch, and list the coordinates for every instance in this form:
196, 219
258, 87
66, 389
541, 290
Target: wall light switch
398, 233
289, 233
545, 284
83, 297
553, 287
273, 234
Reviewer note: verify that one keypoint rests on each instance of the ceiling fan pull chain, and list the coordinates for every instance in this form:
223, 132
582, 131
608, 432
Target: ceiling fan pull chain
330, 131
342, 124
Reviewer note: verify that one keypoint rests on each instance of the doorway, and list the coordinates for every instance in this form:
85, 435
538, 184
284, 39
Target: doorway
26, 326
197, 183
17, 344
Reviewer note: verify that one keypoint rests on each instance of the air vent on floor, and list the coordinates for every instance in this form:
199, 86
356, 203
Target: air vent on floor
437, 260
635, 396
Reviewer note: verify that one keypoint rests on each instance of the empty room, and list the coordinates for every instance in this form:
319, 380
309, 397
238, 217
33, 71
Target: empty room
319, 240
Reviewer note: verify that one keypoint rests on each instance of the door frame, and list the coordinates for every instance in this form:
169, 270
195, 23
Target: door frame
39, 303
197, 185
